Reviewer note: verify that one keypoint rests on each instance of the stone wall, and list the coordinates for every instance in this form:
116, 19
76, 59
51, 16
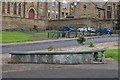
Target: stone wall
24, 23
70, 22
80, 23
21, 23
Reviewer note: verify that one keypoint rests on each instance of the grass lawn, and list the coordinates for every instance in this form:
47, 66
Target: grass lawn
113, 53
8, 37
46, 34
42, 33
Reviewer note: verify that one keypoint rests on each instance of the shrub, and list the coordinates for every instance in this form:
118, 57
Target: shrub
35, 28
50, 48
91, 44
81, 39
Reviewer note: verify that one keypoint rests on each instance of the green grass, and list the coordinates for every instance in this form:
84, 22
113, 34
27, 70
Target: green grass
112, 53
8, 37
42, 33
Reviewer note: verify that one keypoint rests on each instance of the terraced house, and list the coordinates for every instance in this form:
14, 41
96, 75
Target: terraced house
25, 15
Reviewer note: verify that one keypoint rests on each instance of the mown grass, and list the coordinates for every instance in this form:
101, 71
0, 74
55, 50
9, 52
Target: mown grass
42, 33
12, 37
113, 53
8, 37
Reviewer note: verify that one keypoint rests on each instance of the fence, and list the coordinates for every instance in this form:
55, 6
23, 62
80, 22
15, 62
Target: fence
70, 34
62, 34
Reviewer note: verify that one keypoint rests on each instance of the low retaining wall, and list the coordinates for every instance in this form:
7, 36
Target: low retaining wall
56, 57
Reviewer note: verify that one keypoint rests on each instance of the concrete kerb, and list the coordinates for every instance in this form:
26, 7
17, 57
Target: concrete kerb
56, 40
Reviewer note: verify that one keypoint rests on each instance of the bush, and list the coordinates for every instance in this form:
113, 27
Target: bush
50, 48
35, 28
91, 44
81, 39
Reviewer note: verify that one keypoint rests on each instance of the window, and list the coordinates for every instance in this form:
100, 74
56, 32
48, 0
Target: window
62, 14
8, 7
3, 7
48, 4
65, 4
109, 8
53, 14
84, 6
53, 4
66, 14
109, 12
41, 12
99, 14
41, 3
49, 14
56, 15
19, 11
15, 8
56, 4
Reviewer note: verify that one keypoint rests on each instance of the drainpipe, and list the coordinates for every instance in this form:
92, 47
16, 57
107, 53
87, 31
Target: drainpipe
114, 19
37, 10
118, 15
59, 9
24, 9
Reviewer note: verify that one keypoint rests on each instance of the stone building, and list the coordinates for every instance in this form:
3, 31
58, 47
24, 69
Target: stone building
103, 13
29, 14
43, 14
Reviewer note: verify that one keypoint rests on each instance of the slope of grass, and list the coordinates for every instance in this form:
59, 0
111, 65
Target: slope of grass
8, 37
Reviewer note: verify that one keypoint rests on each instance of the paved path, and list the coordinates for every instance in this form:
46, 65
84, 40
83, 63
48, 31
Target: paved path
73, 73
109, 70
56, 44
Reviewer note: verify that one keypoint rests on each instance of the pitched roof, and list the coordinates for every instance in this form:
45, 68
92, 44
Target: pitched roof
99, 4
